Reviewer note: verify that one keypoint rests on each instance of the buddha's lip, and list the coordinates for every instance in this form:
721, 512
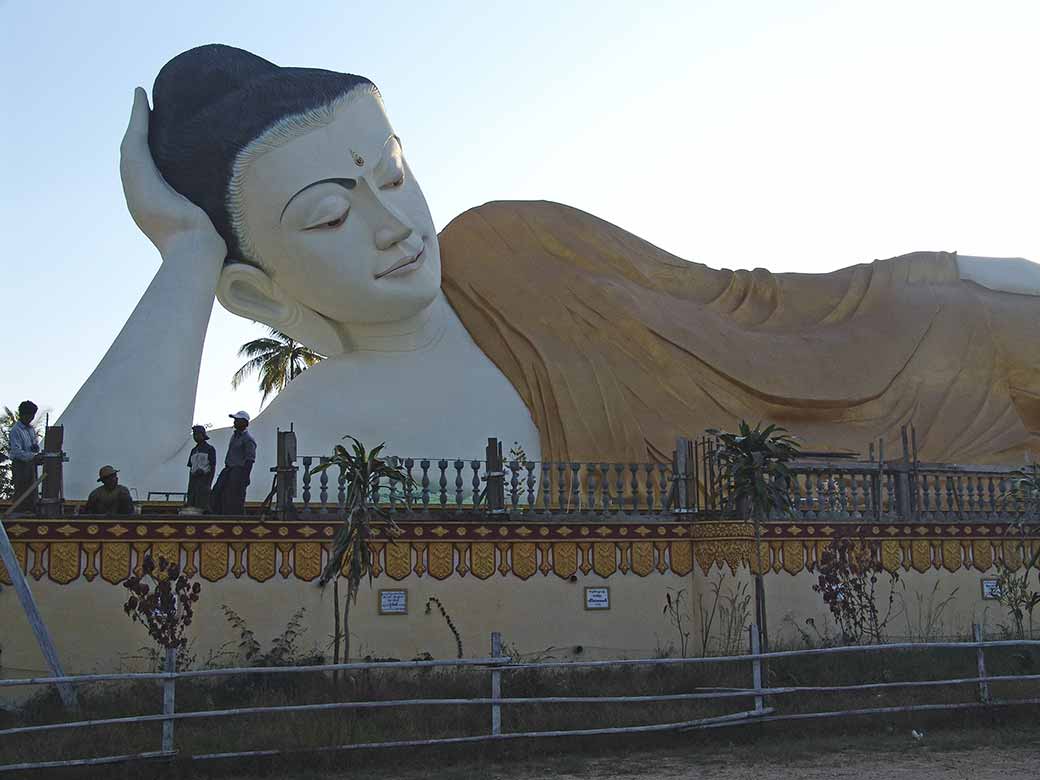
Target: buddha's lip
404, 262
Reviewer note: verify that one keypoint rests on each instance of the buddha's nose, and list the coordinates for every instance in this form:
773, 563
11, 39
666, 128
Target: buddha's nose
393, 232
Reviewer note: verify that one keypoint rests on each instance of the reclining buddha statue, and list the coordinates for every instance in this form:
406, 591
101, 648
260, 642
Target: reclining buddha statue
285, 194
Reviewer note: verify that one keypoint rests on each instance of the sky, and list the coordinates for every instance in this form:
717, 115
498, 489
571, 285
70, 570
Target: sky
797, 136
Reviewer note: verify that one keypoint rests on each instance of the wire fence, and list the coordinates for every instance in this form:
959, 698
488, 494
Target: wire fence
769, 702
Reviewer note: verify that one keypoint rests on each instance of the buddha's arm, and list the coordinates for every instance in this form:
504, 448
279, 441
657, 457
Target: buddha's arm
135, 409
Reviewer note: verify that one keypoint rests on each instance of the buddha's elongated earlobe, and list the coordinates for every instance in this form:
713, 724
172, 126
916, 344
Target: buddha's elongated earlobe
249, 292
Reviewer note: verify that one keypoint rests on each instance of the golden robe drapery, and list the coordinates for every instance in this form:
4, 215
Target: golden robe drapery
618, 347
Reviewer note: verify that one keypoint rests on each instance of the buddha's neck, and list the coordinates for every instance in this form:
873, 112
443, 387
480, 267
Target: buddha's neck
416, 333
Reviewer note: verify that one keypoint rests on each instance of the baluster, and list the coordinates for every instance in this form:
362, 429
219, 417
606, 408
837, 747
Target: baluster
890, 490
409, 485
809, 502
323, 488
459, 466
341, 489
531, 482
475, 465
307, 461
424, 464
514, 484
936, 489
925, 502
649, 487
546, 486
561, 486
590, 486
992, 493
576, 486
973, 493
870, 496
795, 487
442, 481
664, 474
604, 486
951, 499
619, 473
823, 492
634, 468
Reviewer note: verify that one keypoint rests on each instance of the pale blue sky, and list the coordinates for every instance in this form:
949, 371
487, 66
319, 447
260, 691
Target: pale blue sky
795, 135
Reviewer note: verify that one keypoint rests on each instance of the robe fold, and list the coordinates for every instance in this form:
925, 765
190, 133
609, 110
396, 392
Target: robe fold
618, 347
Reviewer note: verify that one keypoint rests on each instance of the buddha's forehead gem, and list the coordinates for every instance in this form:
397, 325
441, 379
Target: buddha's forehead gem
359, 161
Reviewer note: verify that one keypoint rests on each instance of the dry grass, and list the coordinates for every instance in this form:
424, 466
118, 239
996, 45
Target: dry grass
346, 727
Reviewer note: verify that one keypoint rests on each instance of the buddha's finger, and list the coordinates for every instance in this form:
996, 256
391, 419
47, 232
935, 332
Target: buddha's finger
135, 140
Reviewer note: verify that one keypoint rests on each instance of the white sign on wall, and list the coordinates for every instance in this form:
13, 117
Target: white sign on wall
597, 598
393, 602
990, 589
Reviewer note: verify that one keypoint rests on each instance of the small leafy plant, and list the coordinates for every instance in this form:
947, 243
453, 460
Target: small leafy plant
849, 573
164, 606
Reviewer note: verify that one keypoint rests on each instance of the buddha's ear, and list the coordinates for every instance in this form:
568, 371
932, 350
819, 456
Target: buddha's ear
249, 292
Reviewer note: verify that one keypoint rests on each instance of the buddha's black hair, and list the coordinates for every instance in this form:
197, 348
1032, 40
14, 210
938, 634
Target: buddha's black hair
210, 102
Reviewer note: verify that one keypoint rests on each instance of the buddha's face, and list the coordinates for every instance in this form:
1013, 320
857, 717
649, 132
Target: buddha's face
338, 221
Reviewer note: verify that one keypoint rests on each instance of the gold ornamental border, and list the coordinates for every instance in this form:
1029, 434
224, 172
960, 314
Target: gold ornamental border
67, 550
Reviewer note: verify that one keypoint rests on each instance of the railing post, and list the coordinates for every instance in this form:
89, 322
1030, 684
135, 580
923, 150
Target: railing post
976, 632
756, 666
496, 491
170, 666
496, 684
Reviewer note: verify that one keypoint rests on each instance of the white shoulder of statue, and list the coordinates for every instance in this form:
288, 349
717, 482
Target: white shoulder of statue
1001, 274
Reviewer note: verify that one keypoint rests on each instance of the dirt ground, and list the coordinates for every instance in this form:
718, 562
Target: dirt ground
982, 764
968, 754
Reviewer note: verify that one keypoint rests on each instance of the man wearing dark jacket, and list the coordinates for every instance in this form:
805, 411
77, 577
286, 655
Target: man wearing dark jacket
229, 494
202, 465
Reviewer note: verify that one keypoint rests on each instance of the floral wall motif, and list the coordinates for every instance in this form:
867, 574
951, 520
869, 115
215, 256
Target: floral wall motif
65, 550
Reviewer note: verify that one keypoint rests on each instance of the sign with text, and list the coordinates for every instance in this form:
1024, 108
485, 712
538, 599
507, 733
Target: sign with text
597, 598
393, 602
990, 589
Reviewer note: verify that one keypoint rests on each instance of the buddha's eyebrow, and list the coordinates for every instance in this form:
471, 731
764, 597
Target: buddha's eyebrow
345, 183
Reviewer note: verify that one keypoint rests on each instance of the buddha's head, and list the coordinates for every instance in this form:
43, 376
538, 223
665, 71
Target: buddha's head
302, 175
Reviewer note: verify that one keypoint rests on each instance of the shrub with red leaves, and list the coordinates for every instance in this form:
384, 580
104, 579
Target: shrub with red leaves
849, 572
165, 606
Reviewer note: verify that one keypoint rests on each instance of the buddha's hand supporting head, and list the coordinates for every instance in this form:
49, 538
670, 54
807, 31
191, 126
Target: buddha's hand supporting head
303, 176
165, 216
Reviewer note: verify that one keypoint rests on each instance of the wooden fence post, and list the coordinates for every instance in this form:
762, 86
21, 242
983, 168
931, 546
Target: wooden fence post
756, 666
976, 632
496, 684
168, 707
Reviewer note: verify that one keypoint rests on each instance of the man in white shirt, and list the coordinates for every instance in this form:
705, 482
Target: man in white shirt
24, 450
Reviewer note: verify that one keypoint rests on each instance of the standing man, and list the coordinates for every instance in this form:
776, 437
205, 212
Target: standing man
202, 465
24, 450
111, 498
229, 494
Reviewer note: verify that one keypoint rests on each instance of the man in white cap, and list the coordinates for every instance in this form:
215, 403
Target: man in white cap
229, 492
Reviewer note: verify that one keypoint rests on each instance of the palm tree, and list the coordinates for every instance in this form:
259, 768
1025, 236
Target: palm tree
364, 474
278, 360
753, 466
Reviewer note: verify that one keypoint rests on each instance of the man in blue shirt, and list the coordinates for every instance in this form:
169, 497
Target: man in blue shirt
24, 450
229, 493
